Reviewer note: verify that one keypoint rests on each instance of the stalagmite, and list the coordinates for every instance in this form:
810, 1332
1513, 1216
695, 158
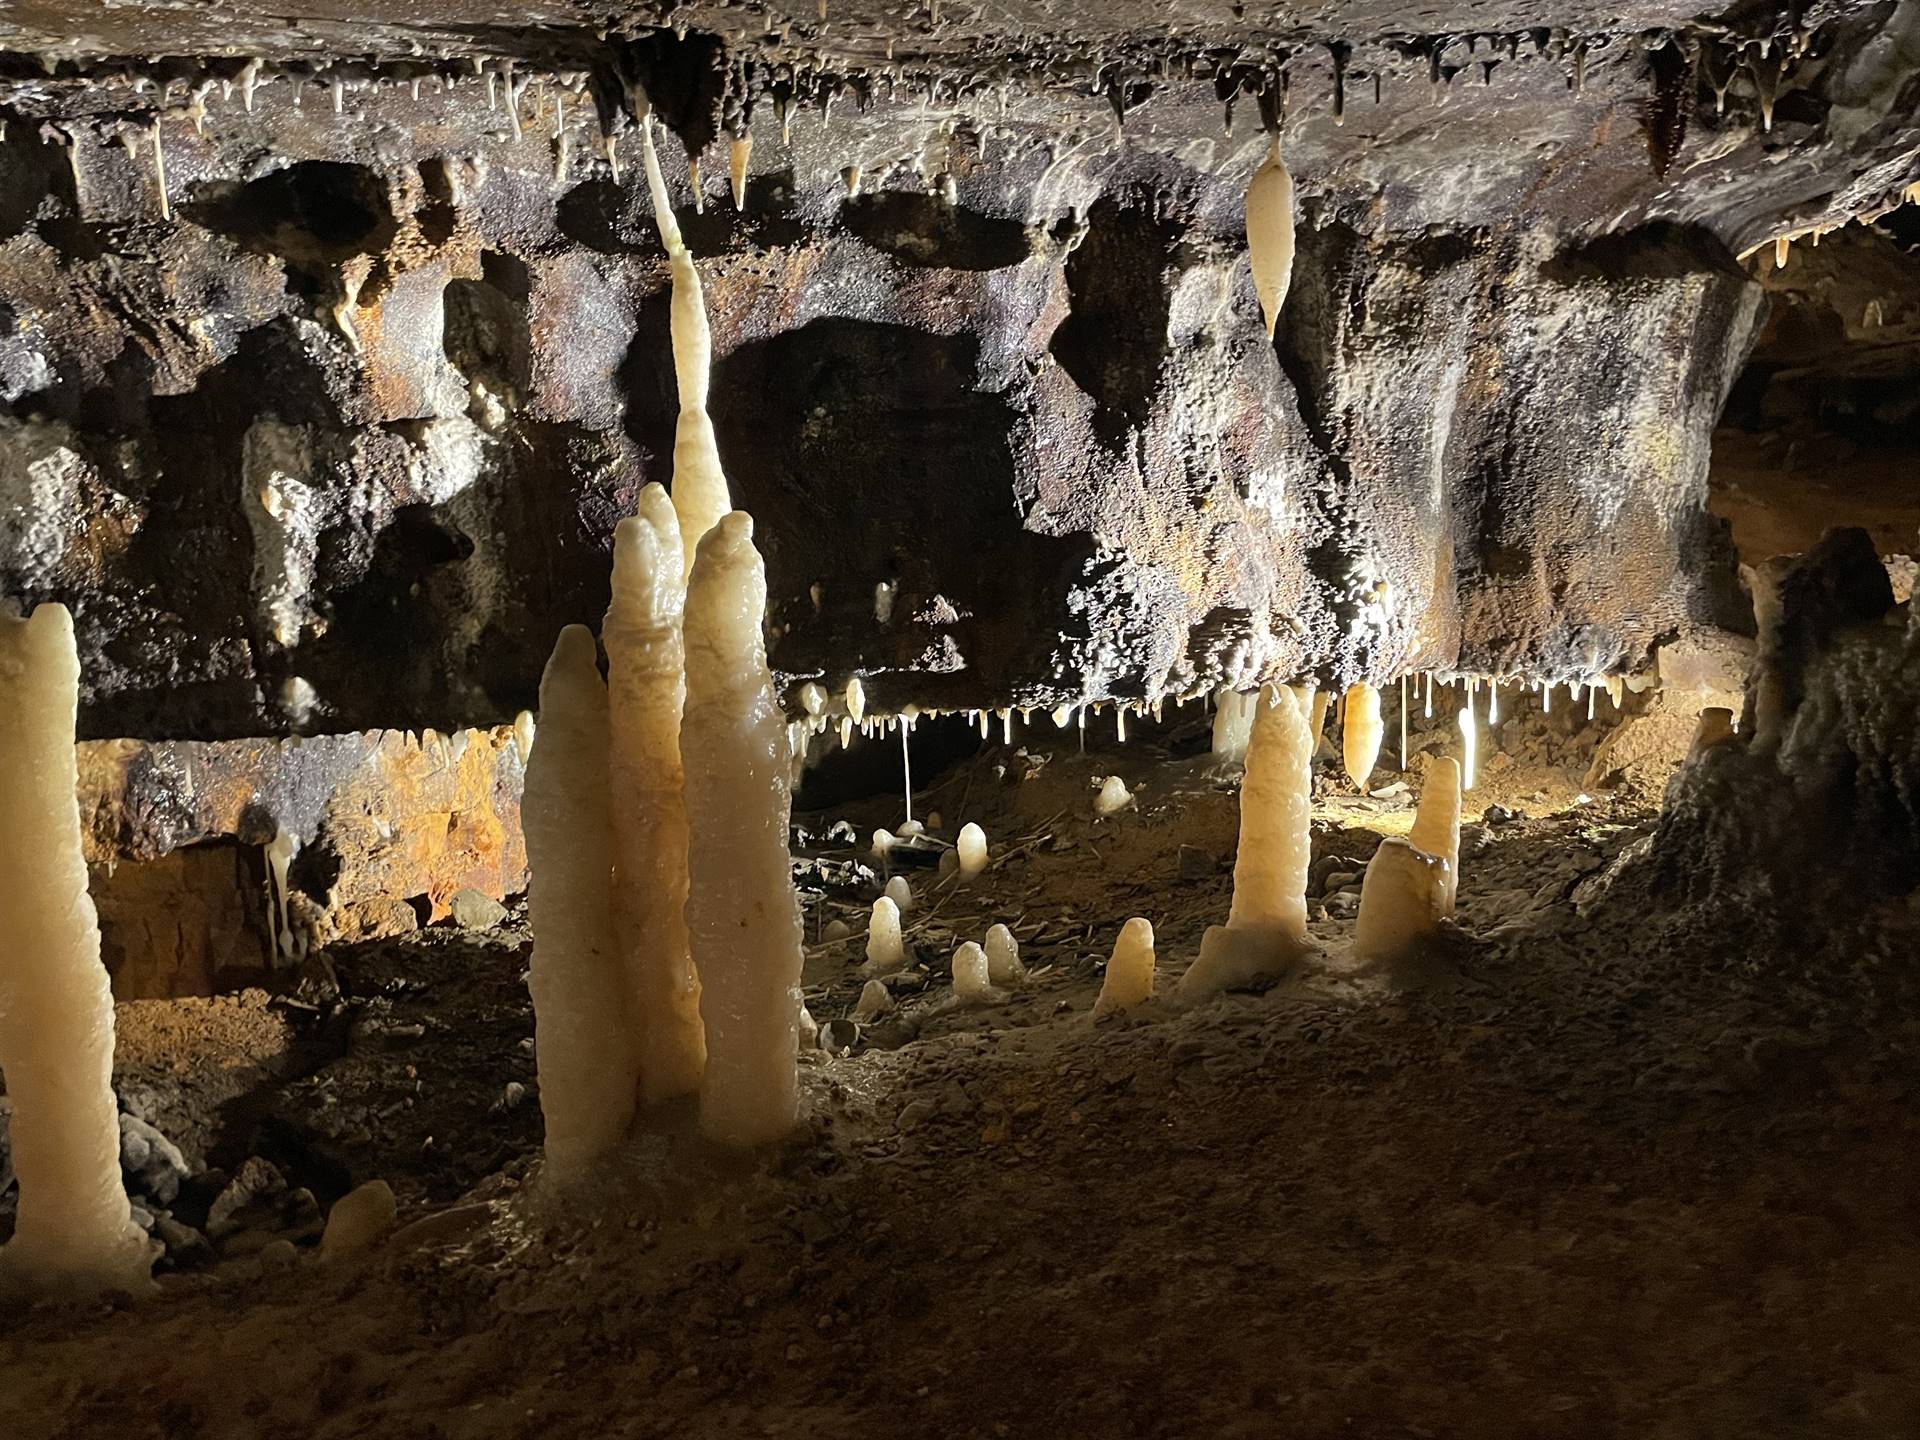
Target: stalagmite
970, 975
1715, 728
1003, 957
743, 916
699, 484
875, 1000
1112, 796
582, 1012
885, 951
646, 683
1401, 900
1436, 823
970, 849
1233, 725
1266, 928
1467, 746
900, 893
1270, 234
74, 1231
1360, 739
1129, 979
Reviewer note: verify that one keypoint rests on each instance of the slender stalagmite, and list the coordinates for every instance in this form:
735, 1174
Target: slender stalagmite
1270, 234
74, 1231
1129, 979
1266, 927
699, 484
1436, 824
647, 689
1361, 733
742, 912
583, 1043
1400, 900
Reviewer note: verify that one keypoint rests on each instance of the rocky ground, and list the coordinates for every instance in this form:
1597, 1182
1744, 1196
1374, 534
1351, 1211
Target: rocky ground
1599, 1168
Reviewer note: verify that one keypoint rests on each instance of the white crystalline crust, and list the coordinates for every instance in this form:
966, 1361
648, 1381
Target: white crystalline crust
1401, 900
75, 1231
1266, 928
1360, 740
646, 671
583, 1030
1436, 824
1129, 980
743, 915
1270, 234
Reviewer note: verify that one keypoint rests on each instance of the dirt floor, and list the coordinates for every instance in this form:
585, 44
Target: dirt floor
1596, 1169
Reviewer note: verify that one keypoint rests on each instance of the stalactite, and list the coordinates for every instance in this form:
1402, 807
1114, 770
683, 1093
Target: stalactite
582, 1014
646, 671
1270, 234
74, 1231
743, 915
1362, 733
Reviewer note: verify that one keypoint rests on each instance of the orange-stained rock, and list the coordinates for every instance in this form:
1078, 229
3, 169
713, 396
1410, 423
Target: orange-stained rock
381, 815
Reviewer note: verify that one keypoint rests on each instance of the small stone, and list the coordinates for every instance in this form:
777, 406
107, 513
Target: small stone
358, 1219
185, 1245
473, 910
152, 1164
256, 1179
836, 930
279, 1256
915, 1114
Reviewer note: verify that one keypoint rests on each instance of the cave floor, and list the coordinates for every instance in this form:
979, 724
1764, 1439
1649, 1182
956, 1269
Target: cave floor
1611, 1172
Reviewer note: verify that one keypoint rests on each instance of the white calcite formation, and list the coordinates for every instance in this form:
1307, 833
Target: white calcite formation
742, 912
1270, 234
1266, 929
1436, 824
972, 980
1003, 957
74, 1232
1112, 797
1232, 725
1361, 733
646, 685
970, 849
1469, 745
1401, 901
699, 484
875, 1000
885, 950
1129, 980
900, 893
583, 1042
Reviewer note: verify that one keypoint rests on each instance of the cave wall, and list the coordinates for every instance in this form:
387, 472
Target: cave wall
341, 442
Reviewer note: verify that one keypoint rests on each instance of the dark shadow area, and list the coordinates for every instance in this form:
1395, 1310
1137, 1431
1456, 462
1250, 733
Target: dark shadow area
1114, 340
873, 767
618, 219
486, 322
867, 454
312, 211
918, 229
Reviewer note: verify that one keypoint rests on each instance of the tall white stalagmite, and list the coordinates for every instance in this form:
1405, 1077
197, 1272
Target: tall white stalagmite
1400, 900
74, 1232
647, 689
742, 912
583, 1044
1436, 824
1266, 928
1270, 234
1361, 733
1129, 980
699, 484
